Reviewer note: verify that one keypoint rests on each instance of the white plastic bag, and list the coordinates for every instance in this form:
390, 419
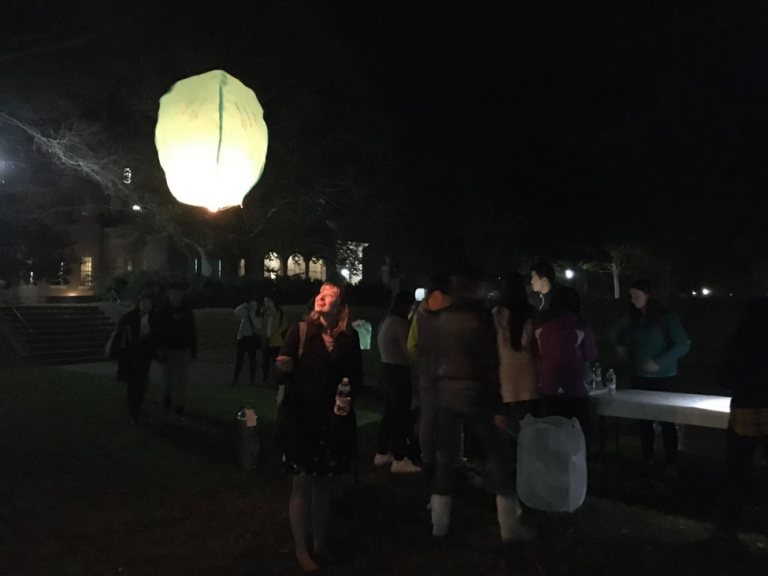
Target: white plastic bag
551, 464
364, 330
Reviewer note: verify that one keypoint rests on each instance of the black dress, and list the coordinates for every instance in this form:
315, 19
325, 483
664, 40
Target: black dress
314, 440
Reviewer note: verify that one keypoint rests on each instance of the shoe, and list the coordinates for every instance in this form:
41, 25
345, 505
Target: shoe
508, 512
383, 459
404, 466
441, 515
179, 411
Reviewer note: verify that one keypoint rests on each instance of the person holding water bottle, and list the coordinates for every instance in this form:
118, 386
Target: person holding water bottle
321, 366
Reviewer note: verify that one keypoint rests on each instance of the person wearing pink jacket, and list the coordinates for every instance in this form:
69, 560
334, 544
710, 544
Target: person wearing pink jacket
566, 345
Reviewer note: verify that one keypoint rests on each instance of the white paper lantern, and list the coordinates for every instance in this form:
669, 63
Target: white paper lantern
211, 140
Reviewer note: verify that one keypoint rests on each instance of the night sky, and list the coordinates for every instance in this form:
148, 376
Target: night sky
566, 126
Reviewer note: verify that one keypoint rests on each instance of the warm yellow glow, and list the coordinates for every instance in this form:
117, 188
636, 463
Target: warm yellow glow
211, 140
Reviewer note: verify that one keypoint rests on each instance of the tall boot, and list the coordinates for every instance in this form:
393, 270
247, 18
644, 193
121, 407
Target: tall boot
441, 514
508, 512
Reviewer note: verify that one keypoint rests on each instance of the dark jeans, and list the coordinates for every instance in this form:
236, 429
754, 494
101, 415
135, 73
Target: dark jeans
668, 429
569, 408
270, 355
464, 403
249, 344
398, 395
136, 382
740, 452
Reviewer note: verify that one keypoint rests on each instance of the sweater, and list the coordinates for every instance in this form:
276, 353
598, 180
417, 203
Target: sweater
645, 340
393, 340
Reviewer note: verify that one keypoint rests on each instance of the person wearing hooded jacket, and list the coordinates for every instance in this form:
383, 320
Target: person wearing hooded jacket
566, 344
422, 345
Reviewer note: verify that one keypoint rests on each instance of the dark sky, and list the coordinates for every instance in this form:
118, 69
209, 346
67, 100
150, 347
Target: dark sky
647, 117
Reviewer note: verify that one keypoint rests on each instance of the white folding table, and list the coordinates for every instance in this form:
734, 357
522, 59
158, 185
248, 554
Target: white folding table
692, 409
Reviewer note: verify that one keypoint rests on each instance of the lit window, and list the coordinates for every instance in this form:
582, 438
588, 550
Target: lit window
241, 267
272, 265
317, 269
296, 266
86, 271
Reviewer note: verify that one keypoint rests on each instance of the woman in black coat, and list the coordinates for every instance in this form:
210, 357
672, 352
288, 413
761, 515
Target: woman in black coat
317, 431
134, 347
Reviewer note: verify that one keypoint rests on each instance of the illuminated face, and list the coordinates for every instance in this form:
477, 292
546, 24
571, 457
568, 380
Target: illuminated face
329, 300
639, 298
269, 304
537, 283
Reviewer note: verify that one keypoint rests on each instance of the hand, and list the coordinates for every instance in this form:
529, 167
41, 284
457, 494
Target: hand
651, 366
343, 406
501, 422
284, 363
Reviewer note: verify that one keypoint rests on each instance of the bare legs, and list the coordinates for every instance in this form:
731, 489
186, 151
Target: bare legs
311, 496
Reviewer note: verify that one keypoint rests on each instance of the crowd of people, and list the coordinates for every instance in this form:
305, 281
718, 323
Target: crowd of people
481, 370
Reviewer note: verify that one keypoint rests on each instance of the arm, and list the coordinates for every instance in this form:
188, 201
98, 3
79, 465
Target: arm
117, 341
413, 338
680, 342
403, 331
589, 345
241, 312
355, 367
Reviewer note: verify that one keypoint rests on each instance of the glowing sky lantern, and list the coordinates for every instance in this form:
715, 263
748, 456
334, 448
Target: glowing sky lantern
211, 140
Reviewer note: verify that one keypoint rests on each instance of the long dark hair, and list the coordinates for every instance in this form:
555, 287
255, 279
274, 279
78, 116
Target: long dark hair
566, 299
401, 304
655, 310
515, 299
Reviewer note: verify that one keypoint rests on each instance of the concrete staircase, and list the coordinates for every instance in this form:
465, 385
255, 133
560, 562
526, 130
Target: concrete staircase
56, 335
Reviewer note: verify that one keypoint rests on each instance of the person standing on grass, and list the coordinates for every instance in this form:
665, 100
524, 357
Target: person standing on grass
177, 342
248, 338
134, 346
422, 345
396, 382
468, 395
744, 370
515, 341
274, 327
655, 340
316, 430
565, 345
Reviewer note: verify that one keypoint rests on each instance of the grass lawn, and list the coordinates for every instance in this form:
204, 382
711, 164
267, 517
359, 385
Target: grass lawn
83, 492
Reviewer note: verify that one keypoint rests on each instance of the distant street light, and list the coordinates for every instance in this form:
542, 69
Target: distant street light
569, 274
345, 273
136, 208
706, 292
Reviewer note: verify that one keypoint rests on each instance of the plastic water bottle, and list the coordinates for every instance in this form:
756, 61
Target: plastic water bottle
342, 392
610, 382
597, 379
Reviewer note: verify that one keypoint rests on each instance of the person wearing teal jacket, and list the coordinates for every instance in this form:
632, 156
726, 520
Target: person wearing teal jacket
655, 340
